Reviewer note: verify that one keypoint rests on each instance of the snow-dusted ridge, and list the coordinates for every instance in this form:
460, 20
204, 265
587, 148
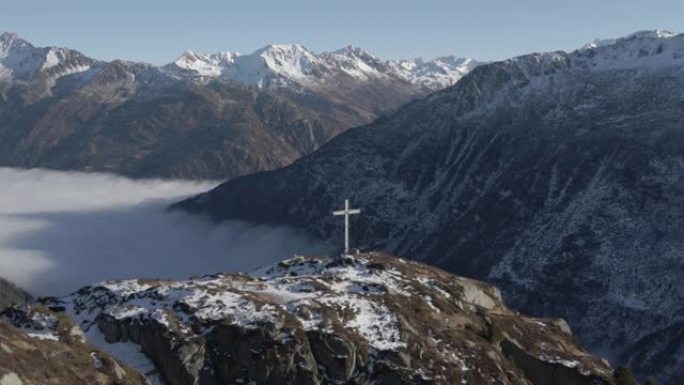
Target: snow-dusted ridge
648, 50
277, 64
285, 65
652, 34
357, 318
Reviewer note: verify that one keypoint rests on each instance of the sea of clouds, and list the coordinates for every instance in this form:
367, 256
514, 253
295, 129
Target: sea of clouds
63, 230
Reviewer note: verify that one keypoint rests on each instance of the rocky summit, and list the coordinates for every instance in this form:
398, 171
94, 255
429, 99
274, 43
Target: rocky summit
358, 319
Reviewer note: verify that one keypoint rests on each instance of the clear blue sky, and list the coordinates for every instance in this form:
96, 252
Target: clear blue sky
159, 31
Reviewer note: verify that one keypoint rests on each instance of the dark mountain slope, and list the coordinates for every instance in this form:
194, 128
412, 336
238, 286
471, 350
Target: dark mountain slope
164, 128
557, 176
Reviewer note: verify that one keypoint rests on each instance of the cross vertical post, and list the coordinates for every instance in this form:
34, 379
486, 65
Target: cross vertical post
346, 226
346, 212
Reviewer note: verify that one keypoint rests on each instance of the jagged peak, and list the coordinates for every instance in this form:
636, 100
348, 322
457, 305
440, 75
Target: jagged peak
227, 55
354, 51
192, 56
453, 59
284, 49
12, 39
189, 54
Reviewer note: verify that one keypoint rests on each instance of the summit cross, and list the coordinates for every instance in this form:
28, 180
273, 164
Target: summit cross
346, 212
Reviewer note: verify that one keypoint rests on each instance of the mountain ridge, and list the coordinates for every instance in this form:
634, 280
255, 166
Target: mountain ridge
60, 109
355, 59
298, 64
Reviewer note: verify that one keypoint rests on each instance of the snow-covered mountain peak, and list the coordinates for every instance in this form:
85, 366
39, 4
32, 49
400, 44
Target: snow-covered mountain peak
21, 61
203, 64
292, 60
18, 58
192, 56
227, 56
354, 52
283, 49
11, 39
436, 73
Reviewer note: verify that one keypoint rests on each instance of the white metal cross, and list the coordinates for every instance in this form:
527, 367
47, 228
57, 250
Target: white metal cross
346, 212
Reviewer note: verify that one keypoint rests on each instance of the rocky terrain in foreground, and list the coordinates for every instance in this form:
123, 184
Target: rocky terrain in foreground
358, 319
60, 358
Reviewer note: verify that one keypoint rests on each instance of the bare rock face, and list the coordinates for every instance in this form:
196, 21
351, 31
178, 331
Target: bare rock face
51, 349
358, 319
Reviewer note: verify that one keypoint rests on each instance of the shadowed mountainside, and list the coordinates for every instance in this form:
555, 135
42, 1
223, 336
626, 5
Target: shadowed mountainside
557, 176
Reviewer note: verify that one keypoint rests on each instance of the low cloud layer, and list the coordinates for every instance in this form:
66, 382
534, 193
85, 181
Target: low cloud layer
60, 231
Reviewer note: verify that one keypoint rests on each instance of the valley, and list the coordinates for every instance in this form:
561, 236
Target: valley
71, 229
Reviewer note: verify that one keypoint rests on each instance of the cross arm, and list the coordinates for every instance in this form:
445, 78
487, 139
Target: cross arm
345, 212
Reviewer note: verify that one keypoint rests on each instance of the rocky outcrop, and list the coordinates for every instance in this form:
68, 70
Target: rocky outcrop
358, 319
54, 352
10, 294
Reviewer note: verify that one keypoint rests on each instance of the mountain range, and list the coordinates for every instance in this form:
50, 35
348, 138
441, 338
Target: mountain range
558, 176
201, 117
